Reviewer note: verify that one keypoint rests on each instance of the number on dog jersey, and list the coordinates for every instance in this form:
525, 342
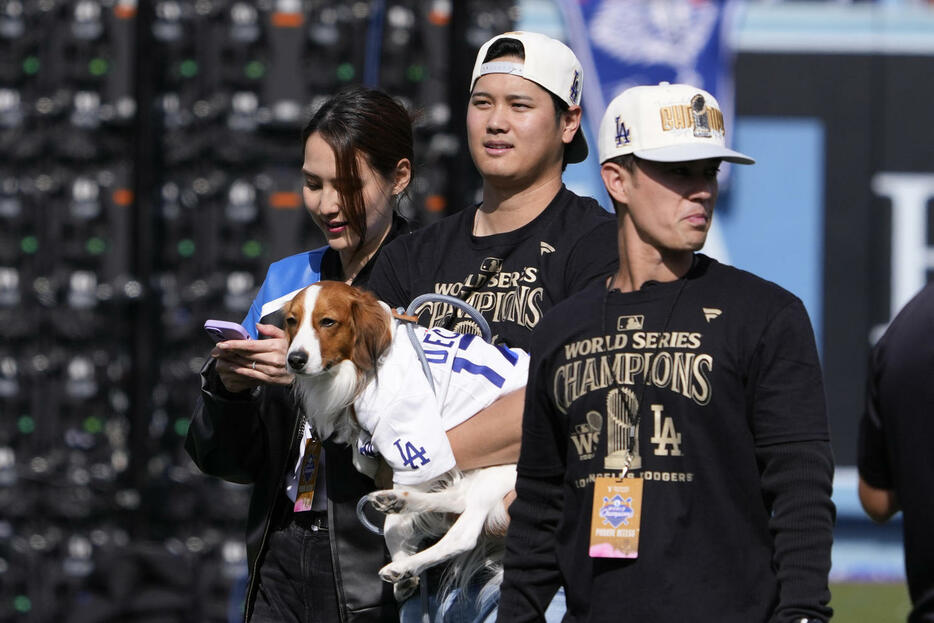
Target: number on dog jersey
439, 345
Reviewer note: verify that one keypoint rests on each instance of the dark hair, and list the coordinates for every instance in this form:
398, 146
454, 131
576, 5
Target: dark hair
359, 120
505, 47
513, 47
627, 161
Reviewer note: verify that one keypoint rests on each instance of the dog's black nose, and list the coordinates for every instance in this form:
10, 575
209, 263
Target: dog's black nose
298, 359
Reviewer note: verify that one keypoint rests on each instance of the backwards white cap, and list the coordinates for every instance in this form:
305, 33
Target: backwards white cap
665, 123
549, 64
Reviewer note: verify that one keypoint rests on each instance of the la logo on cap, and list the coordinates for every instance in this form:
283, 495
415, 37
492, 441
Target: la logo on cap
622, 132
576, 86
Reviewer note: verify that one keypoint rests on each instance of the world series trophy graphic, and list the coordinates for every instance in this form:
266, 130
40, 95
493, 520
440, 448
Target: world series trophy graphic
699, 113
621, 408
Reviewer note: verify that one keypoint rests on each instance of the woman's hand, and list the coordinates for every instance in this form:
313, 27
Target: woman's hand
244, 364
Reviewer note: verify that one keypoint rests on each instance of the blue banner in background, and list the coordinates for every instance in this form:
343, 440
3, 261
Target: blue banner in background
624, 43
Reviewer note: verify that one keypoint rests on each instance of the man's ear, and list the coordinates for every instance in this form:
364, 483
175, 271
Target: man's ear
616, 180
570, 124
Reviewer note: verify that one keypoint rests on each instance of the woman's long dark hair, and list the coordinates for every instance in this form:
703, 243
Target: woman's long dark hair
359, 120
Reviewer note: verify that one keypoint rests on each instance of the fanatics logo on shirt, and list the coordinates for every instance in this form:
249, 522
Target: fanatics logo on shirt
711, 312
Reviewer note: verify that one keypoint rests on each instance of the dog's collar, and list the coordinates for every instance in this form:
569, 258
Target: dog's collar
404, 317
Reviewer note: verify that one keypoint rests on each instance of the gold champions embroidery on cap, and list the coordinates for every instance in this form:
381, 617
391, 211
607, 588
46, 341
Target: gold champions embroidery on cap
698, 115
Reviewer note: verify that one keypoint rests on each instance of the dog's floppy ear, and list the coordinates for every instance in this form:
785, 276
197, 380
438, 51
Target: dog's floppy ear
372, 329
292, 313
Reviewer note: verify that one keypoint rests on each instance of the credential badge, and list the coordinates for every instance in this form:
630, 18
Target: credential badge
699, 113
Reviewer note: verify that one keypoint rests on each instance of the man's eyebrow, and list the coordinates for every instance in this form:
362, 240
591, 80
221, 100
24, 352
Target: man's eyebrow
508, 96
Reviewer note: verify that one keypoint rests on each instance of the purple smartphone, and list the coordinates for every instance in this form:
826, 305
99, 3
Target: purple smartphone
221, 330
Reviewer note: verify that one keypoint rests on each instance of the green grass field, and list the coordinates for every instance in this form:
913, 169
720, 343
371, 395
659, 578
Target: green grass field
869, 603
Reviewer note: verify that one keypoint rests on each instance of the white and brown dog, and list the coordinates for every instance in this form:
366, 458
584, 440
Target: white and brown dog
360, 381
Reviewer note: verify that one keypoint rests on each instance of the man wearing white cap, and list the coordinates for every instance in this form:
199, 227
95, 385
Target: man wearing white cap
530, 243
675, 460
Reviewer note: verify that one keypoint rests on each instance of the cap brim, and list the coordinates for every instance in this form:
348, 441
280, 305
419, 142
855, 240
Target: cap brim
577, 150
685, 153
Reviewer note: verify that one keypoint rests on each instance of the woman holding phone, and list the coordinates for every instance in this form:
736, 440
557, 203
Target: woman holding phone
309, 557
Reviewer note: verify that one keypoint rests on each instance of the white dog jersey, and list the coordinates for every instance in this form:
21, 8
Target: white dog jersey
406, 420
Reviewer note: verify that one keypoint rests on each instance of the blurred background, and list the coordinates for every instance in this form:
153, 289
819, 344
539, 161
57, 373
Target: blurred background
149, 172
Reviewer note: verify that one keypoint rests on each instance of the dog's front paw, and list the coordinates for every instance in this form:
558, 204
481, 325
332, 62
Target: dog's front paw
396, 573
404, 589
388, 501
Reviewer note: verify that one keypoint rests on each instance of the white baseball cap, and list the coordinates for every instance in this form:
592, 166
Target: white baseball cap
665, 123
549, 64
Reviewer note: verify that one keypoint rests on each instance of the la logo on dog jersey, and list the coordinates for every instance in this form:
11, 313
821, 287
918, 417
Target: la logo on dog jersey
411, 454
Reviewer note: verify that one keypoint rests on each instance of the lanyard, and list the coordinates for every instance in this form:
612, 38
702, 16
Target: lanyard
633, 424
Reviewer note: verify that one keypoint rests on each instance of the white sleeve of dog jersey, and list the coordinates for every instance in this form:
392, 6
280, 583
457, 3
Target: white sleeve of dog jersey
402, 414
476, 376
365, 458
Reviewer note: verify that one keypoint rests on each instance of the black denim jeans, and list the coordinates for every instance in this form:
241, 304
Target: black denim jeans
296, 578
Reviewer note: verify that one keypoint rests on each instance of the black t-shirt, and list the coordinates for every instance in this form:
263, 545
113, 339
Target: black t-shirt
896, 437
719, 373
511, 278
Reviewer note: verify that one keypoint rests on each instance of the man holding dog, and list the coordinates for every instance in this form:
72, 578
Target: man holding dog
529, 244
675, 461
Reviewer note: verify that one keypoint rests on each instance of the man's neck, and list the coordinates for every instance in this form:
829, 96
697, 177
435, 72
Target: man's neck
640, 262
507, 209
